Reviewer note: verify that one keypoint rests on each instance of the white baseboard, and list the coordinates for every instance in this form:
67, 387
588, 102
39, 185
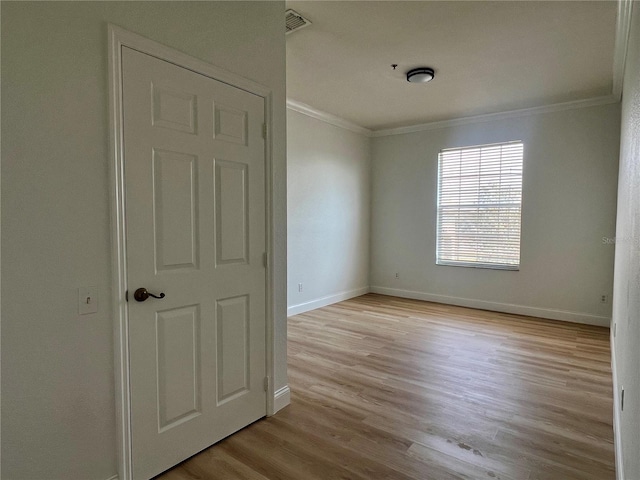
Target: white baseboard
281, 398
617, 438
567, 316
324, 301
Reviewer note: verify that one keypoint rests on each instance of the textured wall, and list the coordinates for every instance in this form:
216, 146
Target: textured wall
328, 175
626, 296
58, 419
569, 204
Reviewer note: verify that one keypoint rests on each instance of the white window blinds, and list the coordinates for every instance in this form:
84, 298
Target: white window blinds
479, 206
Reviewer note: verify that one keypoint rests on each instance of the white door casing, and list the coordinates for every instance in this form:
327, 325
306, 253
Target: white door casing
194, 165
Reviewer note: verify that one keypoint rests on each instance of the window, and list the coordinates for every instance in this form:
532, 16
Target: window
479, 206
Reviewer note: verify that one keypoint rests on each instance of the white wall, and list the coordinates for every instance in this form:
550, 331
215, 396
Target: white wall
58, 419
569, 201
626, 292
328, 176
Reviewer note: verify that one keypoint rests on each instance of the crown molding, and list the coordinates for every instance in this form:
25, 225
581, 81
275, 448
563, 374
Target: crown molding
455, 122
623, 26
556, 107
327, 117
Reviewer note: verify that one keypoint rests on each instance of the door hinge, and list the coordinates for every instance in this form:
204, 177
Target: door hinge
266, 384
264, 130
265, 260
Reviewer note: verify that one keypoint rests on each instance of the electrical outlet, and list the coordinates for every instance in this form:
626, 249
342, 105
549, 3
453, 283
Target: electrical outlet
604, 298
87, 300
299, 287
397, 275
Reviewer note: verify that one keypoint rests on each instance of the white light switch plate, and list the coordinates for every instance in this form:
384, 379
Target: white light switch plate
87, 300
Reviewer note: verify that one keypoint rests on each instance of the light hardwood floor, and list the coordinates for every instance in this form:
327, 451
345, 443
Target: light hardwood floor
388, 388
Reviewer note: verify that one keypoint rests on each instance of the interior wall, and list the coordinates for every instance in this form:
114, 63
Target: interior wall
58, 419
626, 292
328, 200
568, 212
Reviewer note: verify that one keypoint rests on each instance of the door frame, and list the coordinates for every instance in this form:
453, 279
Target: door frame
117, 39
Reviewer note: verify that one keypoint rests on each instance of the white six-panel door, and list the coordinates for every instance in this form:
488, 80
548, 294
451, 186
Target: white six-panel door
194, 171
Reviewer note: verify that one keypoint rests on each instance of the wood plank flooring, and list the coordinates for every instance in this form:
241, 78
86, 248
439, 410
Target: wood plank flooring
388, 388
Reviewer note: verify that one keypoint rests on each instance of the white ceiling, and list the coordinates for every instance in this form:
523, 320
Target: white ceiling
489, 57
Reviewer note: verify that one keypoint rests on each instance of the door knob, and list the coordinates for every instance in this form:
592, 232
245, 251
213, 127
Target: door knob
141, 295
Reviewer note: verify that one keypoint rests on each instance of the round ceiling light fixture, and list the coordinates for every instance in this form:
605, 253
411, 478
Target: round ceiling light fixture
420, 75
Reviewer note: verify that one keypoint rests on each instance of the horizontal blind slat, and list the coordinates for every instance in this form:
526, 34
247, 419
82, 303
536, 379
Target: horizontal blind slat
479, 205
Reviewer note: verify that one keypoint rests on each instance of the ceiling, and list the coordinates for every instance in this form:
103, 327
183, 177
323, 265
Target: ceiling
489, 57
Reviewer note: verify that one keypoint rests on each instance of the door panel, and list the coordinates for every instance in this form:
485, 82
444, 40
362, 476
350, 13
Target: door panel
178, 366
175, 203
174, 109
230, 124
233, 347
195, 229
232, 227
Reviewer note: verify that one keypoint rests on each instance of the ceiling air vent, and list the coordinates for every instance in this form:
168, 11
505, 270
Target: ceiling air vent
295, 21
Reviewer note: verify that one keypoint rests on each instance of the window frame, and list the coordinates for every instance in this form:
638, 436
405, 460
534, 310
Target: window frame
479, 264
